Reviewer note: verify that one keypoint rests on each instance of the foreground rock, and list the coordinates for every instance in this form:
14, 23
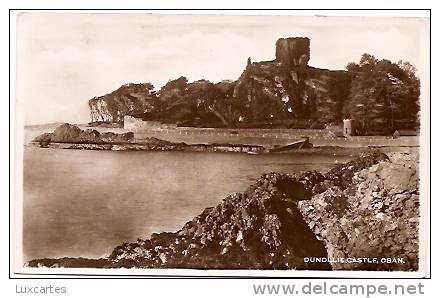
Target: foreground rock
260, 229
375, 214
360, 209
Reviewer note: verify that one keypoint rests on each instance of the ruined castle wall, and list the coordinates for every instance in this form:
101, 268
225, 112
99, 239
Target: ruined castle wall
293, 51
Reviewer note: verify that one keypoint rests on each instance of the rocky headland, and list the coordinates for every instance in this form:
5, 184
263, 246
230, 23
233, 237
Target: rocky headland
366, 208
285, 92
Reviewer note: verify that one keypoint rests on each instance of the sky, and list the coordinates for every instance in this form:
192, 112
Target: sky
65, 59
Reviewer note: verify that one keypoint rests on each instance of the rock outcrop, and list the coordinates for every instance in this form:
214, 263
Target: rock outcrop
288, 89
68, 133
374, 214
258, 229
67, 136
365, 208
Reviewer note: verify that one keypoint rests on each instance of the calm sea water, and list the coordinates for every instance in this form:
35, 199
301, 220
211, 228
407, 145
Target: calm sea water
84, 203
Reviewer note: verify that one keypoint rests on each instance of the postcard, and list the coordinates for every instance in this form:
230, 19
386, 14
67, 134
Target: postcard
221, 145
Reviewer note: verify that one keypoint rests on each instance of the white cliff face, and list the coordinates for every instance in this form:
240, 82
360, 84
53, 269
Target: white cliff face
100, 112
129, 98
94, 113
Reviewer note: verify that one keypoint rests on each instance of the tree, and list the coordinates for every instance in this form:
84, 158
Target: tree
367, 62
384, 96
353, 66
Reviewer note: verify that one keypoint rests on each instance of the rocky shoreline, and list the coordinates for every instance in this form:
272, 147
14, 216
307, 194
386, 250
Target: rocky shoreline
156, 145
67, 136
366, 208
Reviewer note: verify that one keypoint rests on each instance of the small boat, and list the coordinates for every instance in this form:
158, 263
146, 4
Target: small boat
252, 152
300, 144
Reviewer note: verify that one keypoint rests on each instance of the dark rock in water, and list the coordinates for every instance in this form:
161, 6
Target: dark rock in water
68, 133
69, 136
89, 136
110, 137
156, 141
44, 139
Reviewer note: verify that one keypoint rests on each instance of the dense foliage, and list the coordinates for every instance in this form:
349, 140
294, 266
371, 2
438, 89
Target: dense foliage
199, 103
380, 95
384, 96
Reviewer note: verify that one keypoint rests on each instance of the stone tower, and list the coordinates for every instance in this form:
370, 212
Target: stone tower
293, 51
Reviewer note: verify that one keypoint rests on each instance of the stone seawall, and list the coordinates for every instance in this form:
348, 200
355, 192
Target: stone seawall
271, 137
257, 136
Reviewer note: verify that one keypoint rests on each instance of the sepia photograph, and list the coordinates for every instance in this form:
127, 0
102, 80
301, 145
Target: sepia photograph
216, 144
